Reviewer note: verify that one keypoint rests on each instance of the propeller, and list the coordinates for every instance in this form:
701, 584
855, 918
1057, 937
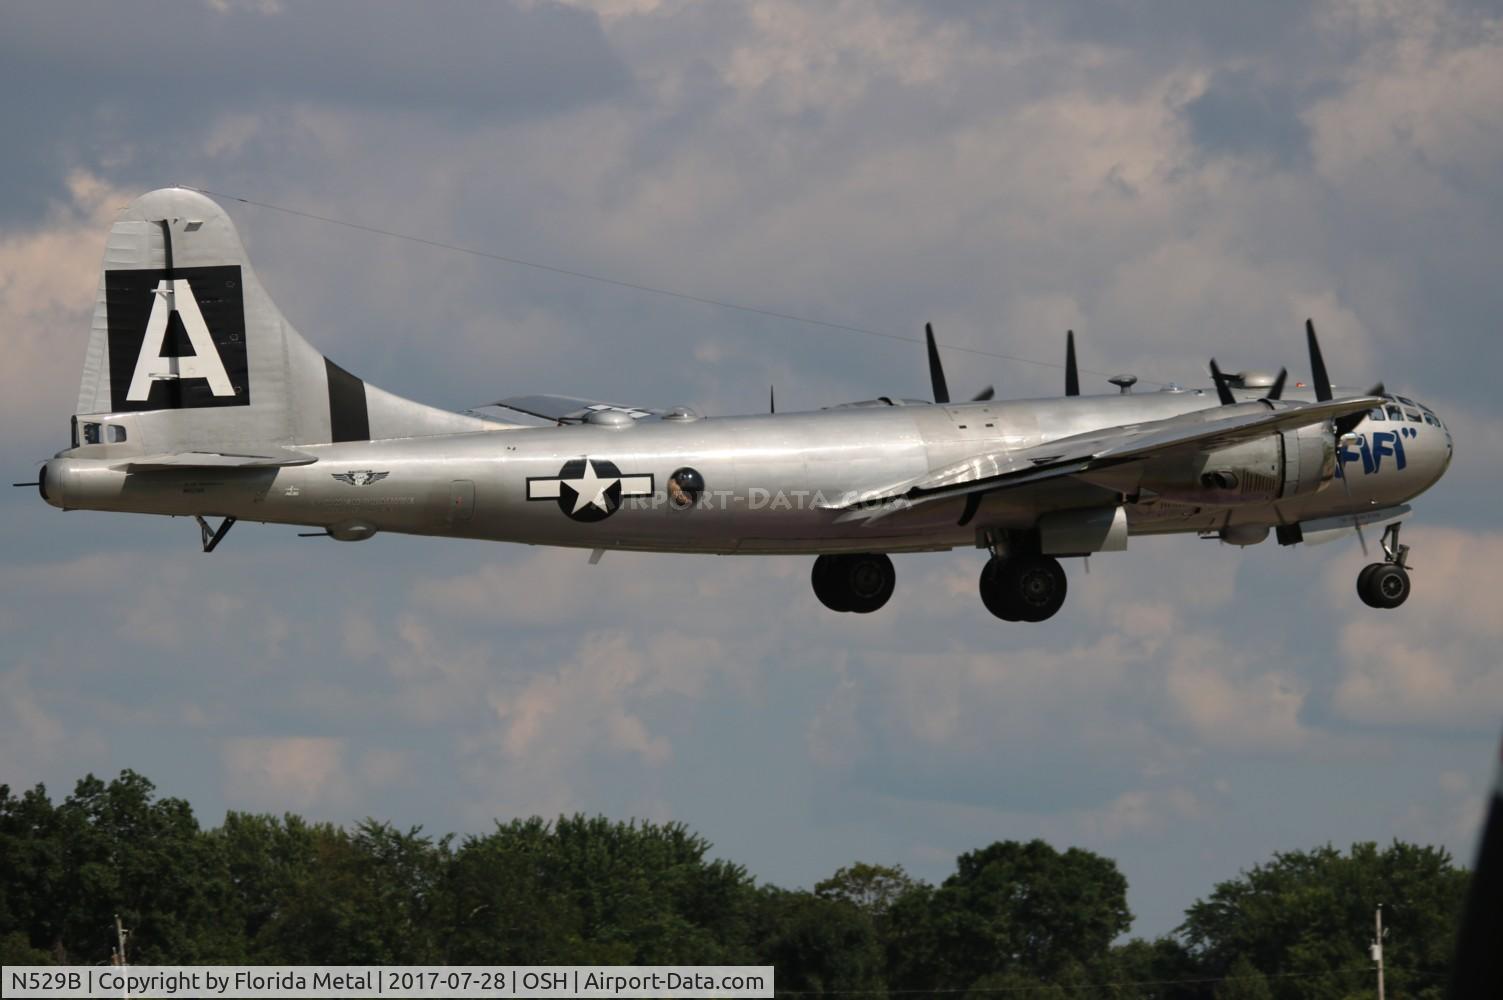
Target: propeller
1344, 425
1317, 365
1223, 390
1072, 374
1277, 391
937, 372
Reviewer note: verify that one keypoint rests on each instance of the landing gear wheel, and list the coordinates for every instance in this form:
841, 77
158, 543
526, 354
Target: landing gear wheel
1383, 585
1023, 588
860, 583
826, 587
993, 593
1386, 584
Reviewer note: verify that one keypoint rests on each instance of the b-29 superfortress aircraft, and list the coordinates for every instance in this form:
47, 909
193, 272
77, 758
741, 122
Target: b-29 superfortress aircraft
199, 399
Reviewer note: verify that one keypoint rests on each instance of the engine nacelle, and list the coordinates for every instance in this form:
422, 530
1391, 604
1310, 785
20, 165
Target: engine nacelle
1279, 465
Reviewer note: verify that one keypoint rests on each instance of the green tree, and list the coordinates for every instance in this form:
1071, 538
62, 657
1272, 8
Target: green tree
870, 888
818, 945
367, 898
1009, 908
1306, 919
104, 850
586, 889
1243, 982
1161, 969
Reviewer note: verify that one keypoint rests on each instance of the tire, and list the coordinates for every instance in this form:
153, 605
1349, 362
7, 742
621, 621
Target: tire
993, 592
1390, 585
866, 581
1364, 585
1037, 586
826, 585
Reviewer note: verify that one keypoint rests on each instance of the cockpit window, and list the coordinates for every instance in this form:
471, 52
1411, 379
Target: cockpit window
1412, 415
1431, 419
1376, 414
1394, 412
1406, 400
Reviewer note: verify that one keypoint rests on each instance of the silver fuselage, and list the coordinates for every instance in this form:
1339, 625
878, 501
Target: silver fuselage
770, 481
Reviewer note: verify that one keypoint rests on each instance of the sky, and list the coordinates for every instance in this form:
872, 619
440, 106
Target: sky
1172, 181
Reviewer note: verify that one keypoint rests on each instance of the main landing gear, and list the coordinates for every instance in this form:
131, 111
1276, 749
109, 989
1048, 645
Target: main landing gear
1016, 588
1386, 584
860, 582
1023, 588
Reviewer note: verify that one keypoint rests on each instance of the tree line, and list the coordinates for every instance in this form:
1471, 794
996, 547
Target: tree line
1013, 920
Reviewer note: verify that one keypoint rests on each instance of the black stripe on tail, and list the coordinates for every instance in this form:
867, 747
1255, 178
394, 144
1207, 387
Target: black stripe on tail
348, 418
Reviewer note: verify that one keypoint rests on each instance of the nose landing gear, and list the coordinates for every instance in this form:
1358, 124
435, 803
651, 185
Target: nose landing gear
1386, 584
860, 582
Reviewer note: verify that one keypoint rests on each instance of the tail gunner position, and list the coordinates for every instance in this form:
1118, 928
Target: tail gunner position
200, 399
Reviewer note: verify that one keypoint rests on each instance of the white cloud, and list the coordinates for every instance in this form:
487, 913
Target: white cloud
48, 278
1433, 661
289, 772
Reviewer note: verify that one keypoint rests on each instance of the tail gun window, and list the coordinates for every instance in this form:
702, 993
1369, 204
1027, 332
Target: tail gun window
90, 433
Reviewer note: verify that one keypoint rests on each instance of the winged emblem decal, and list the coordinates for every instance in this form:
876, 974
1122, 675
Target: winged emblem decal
360, 477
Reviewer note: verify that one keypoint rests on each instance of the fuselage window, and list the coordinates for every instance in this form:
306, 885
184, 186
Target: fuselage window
115, 433
1376, 414
1394, 412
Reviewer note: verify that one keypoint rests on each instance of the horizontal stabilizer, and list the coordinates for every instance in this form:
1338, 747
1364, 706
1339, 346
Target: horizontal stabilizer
267, 457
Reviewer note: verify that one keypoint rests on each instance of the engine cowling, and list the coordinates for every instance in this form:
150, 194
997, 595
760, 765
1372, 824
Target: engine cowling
1280, 465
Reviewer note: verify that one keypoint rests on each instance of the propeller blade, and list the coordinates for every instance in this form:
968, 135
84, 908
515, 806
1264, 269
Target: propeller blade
936, 370
772, 400
1223, 391
1072, 374
1317, 365
984, 394
1277, 391
1345, 425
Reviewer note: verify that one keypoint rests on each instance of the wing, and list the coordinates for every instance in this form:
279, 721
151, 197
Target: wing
565, 409
1080, 454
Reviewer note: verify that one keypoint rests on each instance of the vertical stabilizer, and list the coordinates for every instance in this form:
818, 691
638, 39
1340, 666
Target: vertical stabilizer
186, 340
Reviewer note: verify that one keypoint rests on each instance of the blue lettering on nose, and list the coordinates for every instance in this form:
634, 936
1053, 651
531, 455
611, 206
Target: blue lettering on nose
1387, 443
